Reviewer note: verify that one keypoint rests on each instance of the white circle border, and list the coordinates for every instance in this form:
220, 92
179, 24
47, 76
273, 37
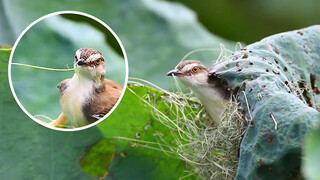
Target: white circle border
76, 13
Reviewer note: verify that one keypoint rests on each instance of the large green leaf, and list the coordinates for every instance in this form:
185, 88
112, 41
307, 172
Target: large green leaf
96, 161
4, 54
278, 82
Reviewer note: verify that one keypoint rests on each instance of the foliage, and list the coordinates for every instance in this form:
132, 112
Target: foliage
154, 33
96, 161
279, 93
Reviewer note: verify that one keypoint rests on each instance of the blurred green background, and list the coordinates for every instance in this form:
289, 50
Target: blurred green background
52, 43
249, 21
156, 35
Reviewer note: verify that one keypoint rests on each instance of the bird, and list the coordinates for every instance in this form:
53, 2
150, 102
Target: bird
206, 88
88, 95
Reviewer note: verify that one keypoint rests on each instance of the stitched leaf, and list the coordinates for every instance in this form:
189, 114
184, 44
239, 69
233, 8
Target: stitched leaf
280, 77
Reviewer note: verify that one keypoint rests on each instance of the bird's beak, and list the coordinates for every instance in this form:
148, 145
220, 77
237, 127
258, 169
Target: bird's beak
174, 72
80, 63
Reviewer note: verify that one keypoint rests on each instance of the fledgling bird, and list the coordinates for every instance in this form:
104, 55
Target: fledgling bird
196, 77
88, 95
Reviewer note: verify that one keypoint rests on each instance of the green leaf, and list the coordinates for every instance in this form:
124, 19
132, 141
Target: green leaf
4, 53
4, 58
278, 84
95, 162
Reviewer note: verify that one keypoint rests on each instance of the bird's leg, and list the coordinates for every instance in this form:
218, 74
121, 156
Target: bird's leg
59, 121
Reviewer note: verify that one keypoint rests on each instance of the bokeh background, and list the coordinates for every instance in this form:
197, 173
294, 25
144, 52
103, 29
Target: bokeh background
52, 43
249, 21
156, 35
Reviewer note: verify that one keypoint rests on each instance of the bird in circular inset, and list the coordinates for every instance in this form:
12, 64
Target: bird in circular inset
88, 95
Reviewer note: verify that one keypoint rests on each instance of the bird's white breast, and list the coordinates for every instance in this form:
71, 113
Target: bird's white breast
78, 90
211, 100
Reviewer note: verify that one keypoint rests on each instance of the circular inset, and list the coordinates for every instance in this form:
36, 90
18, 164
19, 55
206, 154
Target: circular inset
68, 70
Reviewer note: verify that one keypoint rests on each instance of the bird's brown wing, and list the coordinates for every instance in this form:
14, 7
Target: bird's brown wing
104, 100
62, 86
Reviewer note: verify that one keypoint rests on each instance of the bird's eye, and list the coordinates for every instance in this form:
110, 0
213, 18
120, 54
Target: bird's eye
98, 61
195, 69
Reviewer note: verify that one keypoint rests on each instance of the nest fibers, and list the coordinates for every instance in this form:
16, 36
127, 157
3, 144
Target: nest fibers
212, 151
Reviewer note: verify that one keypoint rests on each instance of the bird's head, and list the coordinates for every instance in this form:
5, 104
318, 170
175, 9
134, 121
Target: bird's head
90, 63
192, 73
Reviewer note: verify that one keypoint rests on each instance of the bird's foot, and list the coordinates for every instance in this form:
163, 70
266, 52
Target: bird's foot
59, 122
